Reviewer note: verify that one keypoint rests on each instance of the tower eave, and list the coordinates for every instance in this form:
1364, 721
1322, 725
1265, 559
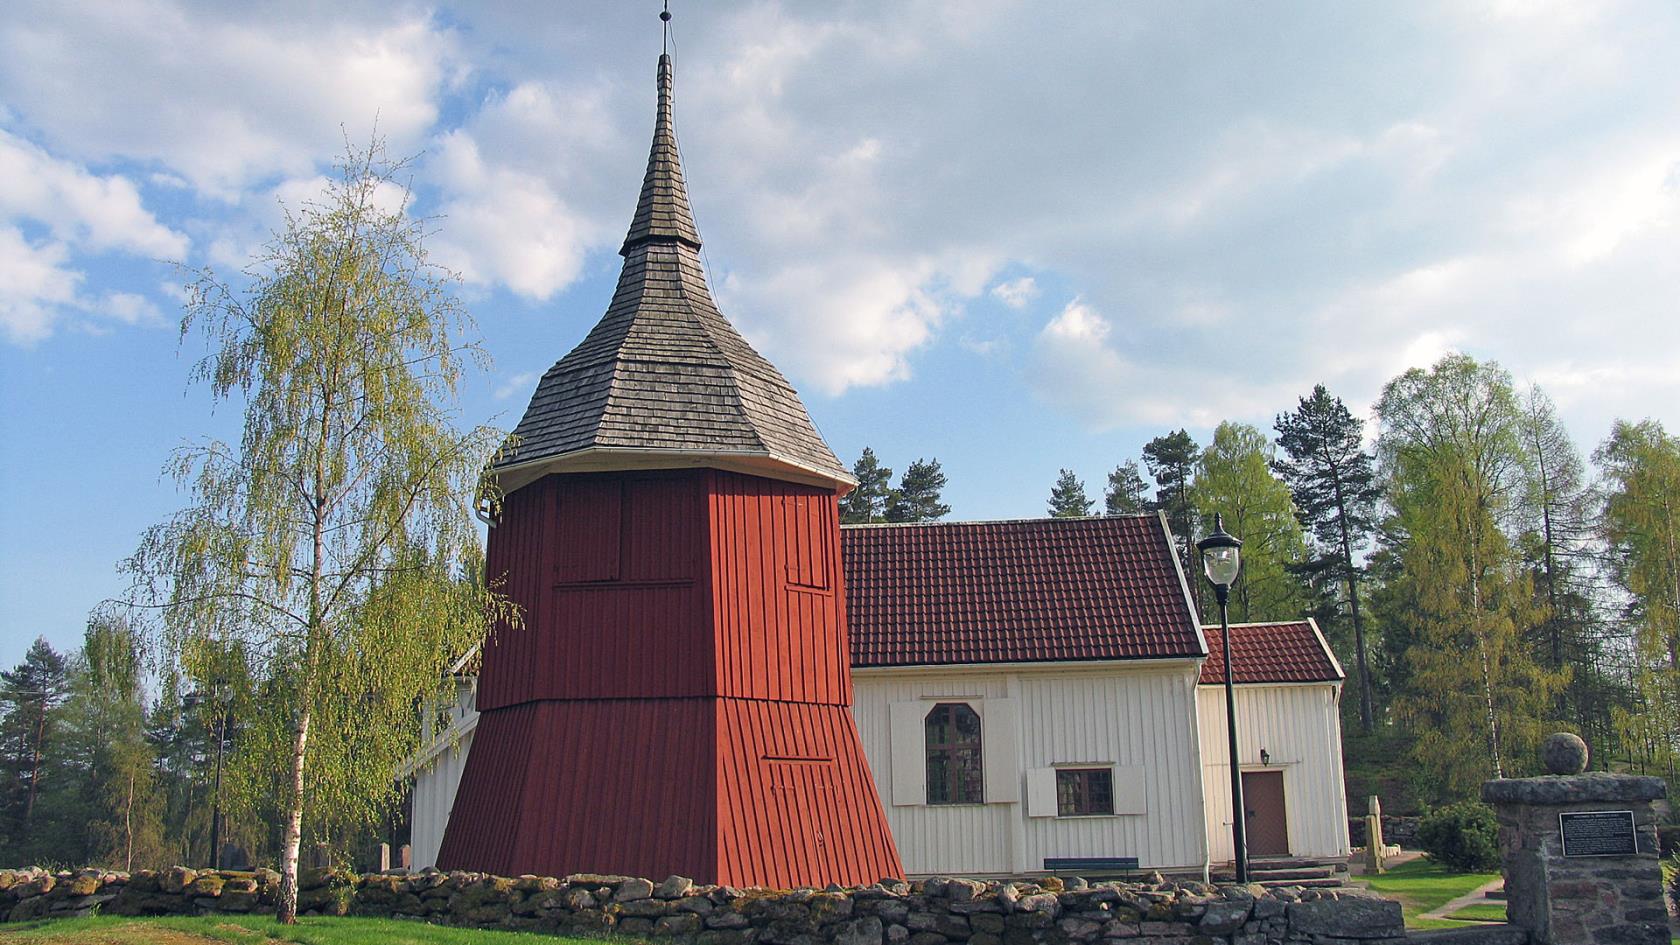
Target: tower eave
517, 475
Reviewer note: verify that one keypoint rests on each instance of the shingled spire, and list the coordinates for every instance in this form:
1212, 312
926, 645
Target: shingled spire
663, 213
663, 380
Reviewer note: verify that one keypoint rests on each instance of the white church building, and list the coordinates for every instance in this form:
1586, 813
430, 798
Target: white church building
1039, 694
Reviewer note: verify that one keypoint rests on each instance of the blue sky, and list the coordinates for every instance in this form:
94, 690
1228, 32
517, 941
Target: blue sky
1013, 236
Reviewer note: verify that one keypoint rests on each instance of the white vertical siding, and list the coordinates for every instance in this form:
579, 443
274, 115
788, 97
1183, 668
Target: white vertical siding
1300, 727
946, 838
435, 781
1143, 715
1146, 719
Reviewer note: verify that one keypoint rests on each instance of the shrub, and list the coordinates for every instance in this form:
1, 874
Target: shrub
1463, 837
1671, 873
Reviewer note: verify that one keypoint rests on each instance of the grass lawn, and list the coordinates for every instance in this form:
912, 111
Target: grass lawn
1421, 886
1481, 912
259, 930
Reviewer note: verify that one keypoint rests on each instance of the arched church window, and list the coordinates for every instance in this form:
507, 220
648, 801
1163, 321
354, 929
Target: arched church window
954, 772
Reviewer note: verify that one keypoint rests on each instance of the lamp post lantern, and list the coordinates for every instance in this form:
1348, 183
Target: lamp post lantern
1221, 559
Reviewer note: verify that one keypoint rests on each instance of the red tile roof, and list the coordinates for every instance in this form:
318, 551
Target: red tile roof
1023, 591
1292, 652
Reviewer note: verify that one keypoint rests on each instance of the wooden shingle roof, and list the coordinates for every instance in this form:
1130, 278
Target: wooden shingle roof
1040, 590
663, 379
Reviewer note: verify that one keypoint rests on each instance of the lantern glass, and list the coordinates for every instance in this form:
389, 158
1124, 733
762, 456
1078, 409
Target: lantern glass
1221, 565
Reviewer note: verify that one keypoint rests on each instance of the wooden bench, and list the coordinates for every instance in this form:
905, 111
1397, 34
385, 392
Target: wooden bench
1091, 864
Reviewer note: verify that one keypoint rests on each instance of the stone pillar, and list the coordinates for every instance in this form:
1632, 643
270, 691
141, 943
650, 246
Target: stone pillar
1581, 880
1373, 835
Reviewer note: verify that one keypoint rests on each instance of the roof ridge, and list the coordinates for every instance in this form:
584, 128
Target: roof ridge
1003, 521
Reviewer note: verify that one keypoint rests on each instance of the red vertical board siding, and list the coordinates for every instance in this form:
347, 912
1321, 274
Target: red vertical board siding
777, 591
605, 568
518, 559
677, 699
612, 786
796, 802
797, 805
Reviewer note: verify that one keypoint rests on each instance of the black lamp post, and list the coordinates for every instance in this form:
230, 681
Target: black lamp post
1221, 559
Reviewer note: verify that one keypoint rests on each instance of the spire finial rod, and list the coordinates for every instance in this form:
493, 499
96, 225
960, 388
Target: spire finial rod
665, 28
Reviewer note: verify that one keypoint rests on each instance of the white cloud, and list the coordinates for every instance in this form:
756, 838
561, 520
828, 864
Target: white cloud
219, 95
78, 213
34, 283
517, 384
128, 308
845, 323
504, 226
1016, 293
95, 212
39, 289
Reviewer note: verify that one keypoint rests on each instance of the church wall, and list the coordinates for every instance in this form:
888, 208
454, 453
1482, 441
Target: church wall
1300, 728
1137, 719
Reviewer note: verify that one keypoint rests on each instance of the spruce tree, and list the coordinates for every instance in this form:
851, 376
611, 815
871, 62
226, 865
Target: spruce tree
868, 502
1333, 480
1558, 521
1127, 494
1068, 498
31, 695
917, 498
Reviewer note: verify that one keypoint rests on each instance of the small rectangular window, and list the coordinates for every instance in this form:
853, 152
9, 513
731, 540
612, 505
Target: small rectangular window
1082, 792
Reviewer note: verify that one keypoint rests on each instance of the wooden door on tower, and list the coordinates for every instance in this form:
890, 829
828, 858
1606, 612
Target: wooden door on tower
1267, 824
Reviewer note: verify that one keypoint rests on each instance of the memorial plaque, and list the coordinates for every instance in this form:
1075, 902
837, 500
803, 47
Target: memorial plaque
1598, 833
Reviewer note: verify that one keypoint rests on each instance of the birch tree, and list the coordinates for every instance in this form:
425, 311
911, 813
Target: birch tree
324, 544
1641, 463
1449, 449
1234, 478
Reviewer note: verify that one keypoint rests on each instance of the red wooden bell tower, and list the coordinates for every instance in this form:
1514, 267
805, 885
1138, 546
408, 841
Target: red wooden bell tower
678, 700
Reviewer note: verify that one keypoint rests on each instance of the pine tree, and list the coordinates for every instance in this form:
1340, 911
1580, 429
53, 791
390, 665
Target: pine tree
1171, 459
1068, 498
31, 695
1127, 494
1333, 480
917, 498
1450, 450
1234, 478
868, 502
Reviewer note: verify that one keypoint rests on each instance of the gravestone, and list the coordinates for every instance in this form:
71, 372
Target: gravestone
1373, 836
1580, 852
234, 857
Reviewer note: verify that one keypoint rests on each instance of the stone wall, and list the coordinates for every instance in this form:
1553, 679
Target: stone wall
931, 912
1398, 831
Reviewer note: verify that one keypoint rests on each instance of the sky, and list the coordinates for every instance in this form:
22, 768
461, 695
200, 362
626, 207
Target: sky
1011, 236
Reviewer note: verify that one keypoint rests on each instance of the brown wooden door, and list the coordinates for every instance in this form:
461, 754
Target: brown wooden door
1268, 825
